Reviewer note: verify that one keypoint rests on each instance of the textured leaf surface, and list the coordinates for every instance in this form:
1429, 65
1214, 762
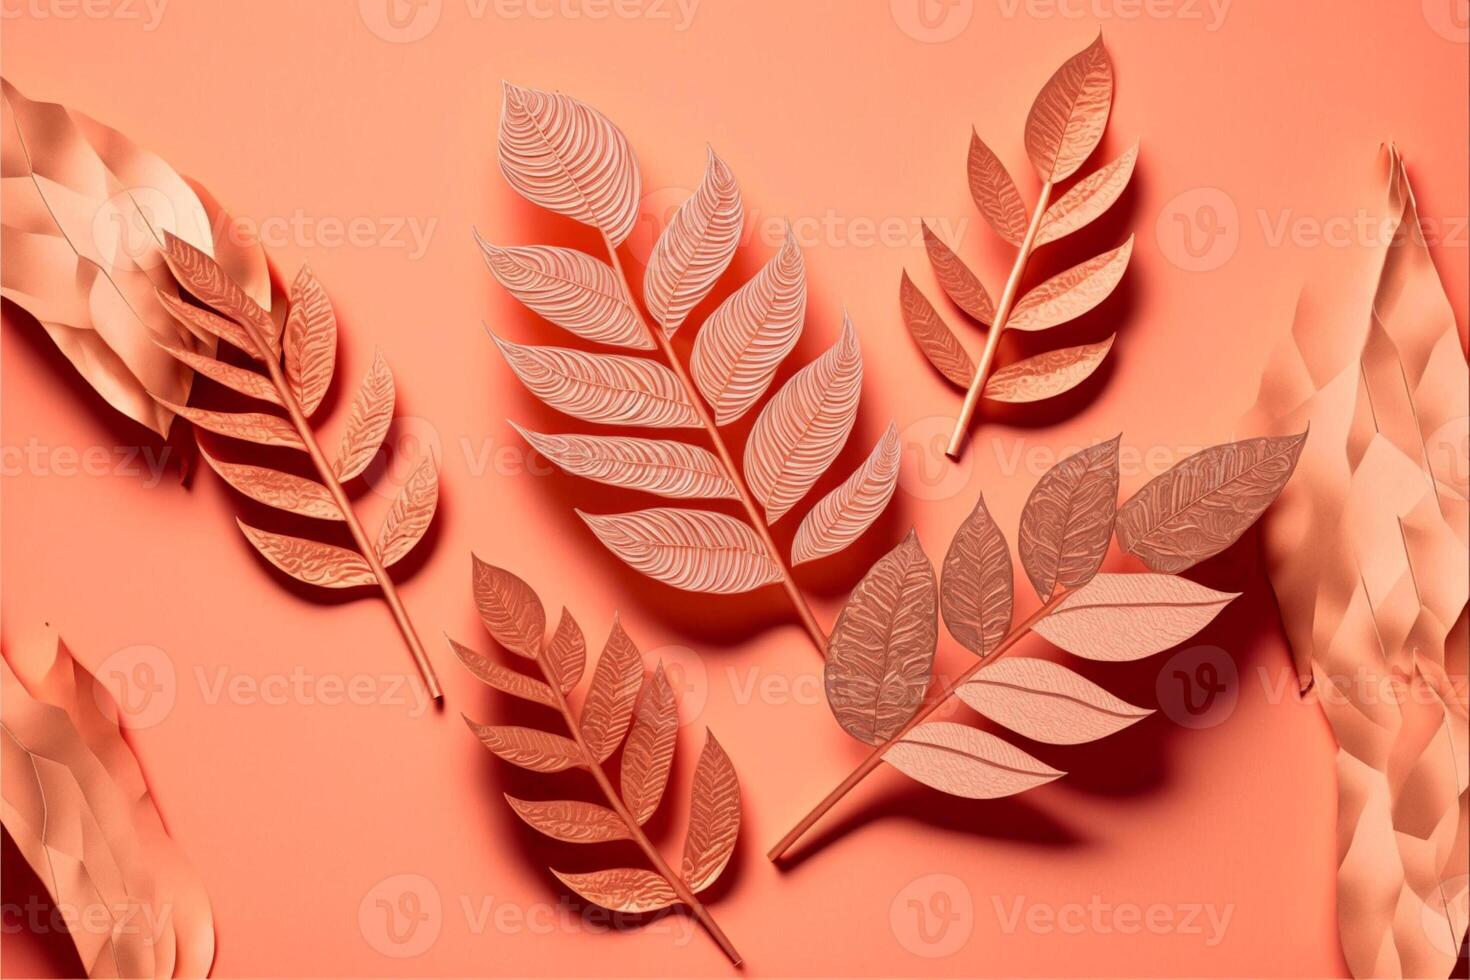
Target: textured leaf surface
284, 491
1067, 119
201, 275
1128, 617
413, 509
503, 678
608, 710
1201, 506
933, 336
1067, 295
714, 816
669, 469
1046, 702
995, 193
257, 427
694, 550
609, 389
1088, 199
801, 430
843, 515
881, 651
367, 421
310, 341
312, 562
571, 820
1046, 374
961, 761
572, 289
955, 278
1068, 519
977, 589
509, 608
632, 890
569, 158
207, 323
744, 341
650, 750
695, 248
529, 748
566, 651
236, 379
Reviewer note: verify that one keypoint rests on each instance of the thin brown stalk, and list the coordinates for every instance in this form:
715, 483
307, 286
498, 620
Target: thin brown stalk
876, 756
635, 830
339, 496
998, 327
757, 520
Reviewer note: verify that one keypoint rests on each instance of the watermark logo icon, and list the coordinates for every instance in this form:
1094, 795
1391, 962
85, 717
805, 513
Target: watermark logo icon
924, 471
129, 226
1198, 687
400, 21
932, 21
401, 916
1450, 19
143, 684
933, 916
1199, 230
688, 678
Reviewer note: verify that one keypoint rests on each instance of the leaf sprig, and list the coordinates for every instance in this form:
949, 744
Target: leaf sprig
881, 657
565, 156
1064, 126
300, 360
621, 708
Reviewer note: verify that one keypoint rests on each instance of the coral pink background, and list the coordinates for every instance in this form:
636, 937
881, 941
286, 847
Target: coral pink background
849, 118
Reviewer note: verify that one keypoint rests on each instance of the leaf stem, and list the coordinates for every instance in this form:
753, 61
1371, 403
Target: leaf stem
339, 496
876, 756
998, 327
635, 830
717, 440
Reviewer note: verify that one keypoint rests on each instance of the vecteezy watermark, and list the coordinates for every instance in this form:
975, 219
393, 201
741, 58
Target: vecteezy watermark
933, 916
39, 915
406, 21
143, 686
148, 14
924, 471
932, 21
35, 458
401, 916
298, 686
1198, 687
1208, 13
1200, 229
1450, 19
1097, 916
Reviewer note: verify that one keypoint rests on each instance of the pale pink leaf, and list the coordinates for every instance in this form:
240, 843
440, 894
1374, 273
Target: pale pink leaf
669, 469
843, 515
573, 290
962, 761
1131, 616
697, 550
695, 248
1046, 702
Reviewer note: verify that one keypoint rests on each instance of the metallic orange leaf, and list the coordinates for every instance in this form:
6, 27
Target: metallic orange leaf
955, 278
412, 511
995, 193
1128, 617
714, 816
1087, 199
1068, 519
284, 491
1067, 295
609, 389
238, 379
608, 709
700, 551
650, 749
1047, 374
842, 516
962, 761
661, 466
801, 430
503, 678
977, 591
1201, 506
202, 276
571, 289
529, 748
881, 651
631, 890
310, 341
567, 157
367, 421
571, 820
566, 652
257, 427
936, 341
509, 608
695, 248
1067, 119
1046, 702
312, 562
